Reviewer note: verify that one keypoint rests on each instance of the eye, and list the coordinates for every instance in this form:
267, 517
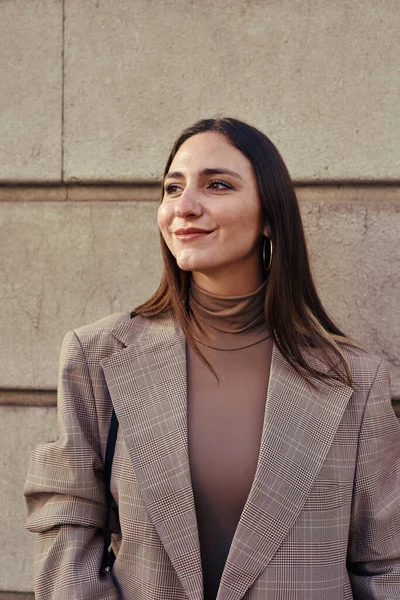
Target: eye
171, 188
218, 184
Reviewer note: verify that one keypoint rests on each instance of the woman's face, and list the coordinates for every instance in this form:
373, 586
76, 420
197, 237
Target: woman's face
210, 215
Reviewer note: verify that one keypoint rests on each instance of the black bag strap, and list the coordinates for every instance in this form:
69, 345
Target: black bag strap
108, 554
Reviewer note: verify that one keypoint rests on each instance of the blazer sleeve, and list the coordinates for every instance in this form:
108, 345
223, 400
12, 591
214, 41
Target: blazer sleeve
65, 493
374, 544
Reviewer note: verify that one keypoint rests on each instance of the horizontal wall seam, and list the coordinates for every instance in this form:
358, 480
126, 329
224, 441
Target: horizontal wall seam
46, 398
38, 398
80, 193
150, 192
8, 595
134, 182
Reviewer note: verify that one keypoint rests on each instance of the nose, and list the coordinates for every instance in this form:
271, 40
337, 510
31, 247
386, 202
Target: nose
188, 204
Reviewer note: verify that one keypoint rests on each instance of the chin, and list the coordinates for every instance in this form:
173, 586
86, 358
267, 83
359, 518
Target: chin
188, 263
198, 262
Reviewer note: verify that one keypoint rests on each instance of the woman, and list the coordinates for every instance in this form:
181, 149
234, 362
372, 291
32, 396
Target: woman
258, 455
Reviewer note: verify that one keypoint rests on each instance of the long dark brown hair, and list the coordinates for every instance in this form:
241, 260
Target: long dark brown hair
296, 318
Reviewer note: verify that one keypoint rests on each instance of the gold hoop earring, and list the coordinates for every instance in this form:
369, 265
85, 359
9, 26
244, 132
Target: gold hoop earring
267, 264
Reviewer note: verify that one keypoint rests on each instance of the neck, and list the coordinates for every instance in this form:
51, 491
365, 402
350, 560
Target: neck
228, 323
224, 284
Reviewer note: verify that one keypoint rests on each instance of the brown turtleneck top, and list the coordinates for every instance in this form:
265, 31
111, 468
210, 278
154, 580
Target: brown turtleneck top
225, 417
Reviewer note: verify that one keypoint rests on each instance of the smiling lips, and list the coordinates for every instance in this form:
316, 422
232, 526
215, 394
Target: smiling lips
191, 233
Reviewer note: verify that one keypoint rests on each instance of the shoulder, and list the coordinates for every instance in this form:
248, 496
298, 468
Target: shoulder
102, 328
101, 338
360, 358
365, 366
95, 340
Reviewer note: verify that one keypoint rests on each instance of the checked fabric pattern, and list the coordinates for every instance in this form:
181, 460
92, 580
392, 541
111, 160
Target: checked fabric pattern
322, 520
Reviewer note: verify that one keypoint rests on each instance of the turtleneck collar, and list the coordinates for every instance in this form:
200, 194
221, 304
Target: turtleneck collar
228, 322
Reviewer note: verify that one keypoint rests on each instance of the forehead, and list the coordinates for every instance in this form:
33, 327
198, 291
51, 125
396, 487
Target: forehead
210, 150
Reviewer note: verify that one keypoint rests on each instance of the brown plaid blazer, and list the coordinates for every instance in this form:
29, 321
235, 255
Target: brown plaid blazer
322, 520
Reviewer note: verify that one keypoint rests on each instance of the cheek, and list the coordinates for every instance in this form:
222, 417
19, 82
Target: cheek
246, 221
163, 218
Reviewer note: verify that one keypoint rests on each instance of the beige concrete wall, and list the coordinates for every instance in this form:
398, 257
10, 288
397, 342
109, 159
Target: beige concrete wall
319, 77
70, 263
96, 91
31, 74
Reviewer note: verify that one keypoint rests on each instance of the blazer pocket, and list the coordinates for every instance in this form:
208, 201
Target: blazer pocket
328, 496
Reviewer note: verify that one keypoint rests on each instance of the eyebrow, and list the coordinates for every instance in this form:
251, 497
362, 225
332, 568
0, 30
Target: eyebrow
213, 171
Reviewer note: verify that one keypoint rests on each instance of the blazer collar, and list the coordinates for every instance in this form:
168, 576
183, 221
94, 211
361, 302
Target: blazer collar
300, 422
148, 387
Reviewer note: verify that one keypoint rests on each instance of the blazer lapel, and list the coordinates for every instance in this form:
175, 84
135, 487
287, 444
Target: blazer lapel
299, 426
147, 384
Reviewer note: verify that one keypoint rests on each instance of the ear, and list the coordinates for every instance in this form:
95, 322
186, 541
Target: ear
266, 230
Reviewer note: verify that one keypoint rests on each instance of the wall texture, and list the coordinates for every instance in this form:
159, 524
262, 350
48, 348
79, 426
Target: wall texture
91, 96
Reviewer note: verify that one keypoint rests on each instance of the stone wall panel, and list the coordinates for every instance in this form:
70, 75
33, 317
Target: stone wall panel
355, 256
72, 263
31, 90
320, 78
68, 264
